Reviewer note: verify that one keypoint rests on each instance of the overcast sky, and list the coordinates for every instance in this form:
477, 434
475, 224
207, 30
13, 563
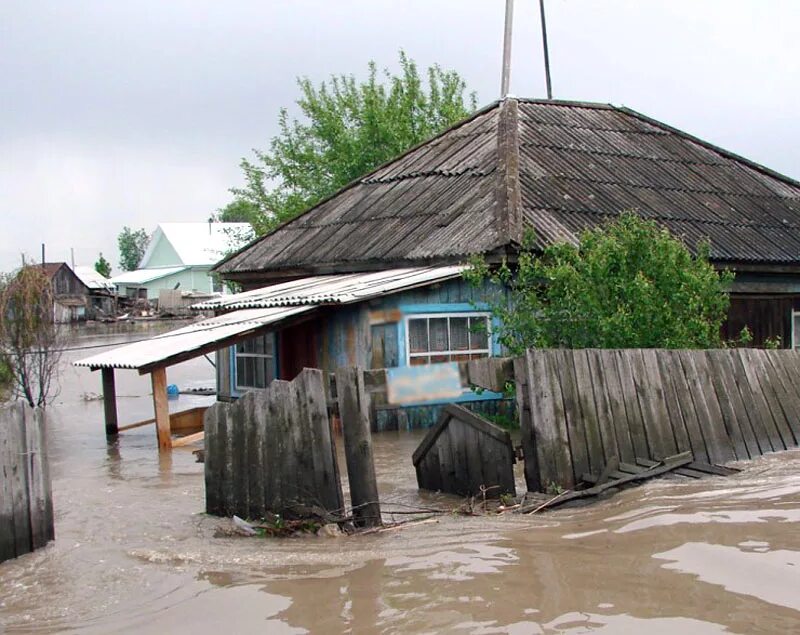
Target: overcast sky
131, 113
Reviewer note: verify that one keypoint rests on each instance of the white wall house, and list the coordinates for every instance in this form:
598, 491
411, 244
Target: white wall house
180, 256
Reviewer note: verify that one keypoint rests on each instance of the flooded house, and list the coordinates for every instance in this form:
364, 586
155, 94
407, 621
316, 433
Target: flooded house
372, 275
179, 256
555, 167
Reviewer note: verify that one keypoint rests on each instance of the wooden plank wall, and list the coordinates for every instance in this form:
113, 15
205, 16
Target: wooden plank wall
26, 503
580, 408
272, 451
464, 453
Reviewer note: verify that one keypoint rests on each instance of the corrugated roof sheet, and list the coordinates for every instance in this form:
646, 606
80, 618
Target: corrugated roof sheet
160, 349
578, 164
334, 289
92, 279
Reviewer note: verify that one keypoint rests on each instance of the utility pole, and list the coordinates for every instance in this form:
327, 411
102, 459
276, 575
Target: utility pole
506, 76
546, 54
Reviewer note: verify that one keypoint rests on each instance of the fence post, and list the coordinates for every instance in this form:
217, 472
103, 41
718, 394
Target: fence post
354, 412
110, 401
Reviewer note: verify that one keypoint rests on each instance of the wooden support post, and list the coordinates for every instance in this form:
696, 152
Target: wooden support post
354, 412
159, 381
110, 402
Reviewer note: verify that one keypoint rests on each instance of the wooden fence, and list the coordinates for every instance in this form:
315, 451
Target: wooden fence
26, 505
272, 451
581, 408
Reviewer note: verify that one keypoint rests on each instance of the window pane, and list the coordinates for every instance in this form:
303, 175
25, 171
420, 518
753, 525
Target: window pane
418, 335
419, 361
478, 336
260, 378
796, 343
459, 334
439, 340
269, 344
438, 359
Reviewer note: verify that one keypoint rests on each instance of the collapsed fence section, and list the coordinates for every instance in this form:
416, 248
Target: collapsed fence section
26, 504
579, 409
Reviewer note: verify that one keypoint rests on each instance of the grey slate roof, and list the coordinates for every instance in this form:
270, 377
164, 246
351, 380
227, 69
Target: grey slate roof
558, 167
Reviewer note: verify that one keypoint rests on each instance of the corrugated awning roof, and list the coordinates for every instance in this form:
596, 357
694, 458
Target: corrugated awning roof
334, 289
253, 310
191, 341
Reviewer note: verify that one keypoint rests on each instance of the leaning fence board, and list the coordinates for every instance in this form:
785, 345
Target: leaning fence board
721, 405
26, 506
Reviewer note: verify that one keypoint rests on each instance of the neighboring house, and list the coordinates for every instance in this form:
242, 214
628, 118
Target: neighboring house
70, 294
551, 166
180, 256
101, 298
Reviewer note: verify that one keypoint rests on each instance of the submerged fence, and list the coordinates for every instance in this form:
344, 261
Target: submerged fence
26, 505
580, 408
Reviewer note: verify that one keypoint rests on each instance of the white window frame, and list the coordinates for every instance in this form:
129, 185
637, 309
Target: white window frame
271, 357
454, 314
794, 333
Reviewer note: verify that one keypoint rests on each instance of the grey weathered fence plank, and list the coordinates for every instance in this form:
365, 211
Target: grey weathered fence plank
585, 395
688, 411
562, 371
721, 380
765, 421
7, 460
211, 441
36, 459
722, 450
19, 482
255, 451
354, 411
771, 385
616, 402
635, 424
672, 400
753, 405
652, 400
241, 429
605, 420
547, 401
785, 373
527, 434
736, 396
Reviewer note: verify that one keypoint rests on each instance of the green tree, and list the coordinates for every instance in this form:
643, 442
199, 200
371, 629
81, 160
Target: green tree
628, 284
348, 128
102, 266
237, 211
132, 244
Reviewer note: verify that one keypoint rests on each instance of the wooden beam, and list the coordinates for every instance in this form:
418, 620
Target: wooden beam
110, 402
138, 424
189, 438
161, 407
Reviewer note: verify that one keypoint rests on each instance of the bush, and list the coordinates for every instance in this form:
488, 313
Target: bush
628, 284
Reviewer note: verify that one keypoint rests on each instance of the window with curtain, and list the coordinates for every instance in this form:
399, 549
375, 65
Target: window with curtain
452, 337
255, 362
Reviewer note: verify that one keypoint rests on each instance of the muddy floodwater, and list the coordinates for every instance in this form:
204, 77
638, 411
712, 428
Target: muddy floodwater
134, 552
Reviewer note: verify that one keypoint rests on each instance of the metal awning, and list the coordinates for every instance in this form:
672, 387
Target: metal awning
334, 289
191, 341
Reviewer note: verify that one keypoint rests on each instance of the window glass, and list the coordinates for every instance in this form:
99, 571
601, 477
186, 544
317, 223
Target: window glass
454, 337
255, 362
438, 334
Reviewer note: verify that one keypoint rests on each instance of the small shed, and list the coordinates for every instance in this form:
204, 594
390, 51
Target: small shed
465, 454
70, 294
